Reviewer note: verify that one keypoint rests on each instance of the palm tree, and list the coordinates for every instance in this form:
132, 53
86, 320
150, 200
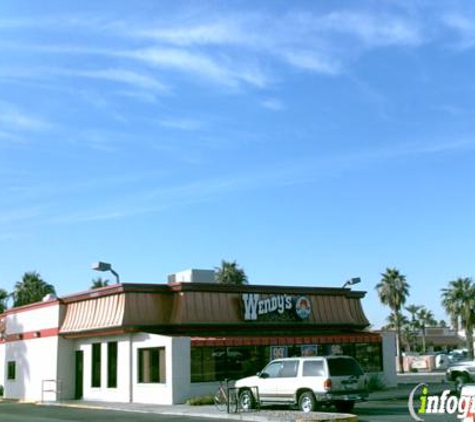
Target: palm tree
230, 273
407, 334
460, 295
3, 300
452, 304
413, 310
393, 291
425, 318
392, 322
99, 282
31, 288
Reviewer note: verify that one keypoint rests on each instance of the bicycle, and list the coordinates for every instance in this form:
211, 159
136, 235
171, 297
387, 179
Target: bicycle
223, 400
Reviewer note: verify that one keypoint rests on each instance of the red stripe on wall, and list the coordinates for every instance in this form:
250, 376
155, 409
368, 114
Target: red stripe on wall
31, 335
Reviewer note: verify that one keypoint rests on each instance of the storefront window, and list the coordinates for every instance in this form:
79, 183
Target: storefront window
96, 365
218, 363
112, 364
151, 365
369, 355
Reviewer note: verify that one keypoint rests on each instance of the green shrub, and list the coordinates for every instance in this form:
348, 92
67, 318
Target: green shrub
1, 390
201, 400
376, 383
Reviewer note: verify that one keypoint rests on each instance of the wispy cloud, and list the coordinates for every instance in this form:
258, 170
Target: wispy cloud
142, 96
296, 172
243, 49
304, 40
273, 104
189, 125
11, 216
464, 27
371, 29
223, 71
218, 32
14, 118
119, 75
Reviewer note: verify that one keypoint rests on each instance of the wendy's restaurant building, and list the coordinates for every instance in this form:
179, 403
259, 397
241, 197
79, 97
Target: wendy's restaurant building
164, 343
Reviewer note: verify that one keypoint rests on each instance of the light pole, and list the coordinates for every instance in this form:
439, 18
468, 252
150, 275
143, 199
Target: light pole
351, 282
104, 266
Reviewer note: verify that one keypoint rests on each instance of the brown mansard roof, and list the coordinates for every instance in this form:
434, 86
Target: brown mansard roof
201, 309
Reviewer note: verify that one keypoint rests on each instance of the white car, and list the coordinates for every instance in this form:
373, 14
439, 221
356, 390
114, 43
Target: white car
306, 381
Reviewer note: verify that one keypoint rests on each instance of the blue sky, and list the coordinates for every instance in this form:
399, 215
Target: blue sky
310, 141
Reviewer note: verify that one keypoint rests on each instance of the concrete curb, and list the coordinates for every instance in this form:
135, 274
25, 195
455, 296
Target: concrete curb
344, 418
317, 417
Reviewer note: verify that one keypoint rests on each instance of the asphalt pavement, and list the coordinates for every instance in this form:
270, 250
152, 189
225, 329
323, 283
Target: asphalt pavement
18, 412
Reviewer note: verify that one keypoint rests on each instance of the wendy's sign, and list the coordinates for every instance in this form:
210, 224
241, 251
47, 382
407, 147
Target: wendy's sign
275, 307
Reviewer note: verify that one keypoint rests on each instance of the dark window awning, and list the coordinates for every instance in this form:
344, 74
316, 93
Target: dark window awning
285, 340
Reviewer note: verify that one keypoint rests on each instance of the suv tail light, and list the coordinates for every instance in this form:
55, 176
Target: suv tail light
327, 384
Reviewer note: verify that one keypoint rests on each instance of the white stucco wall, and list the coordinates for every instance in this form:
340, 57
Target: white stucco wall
177, 360
66, 368
177, 385
34, 319
2, 364
35, 358
35, 361
103, 393
389, 361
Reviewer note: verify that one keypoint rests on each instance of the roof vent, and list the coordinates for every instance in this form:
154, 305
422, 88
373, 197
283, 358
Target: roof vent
192, 276
49, 296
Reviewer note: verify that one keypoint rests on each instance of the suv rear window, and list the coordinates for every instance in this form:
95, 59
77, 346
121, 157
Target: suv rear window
313, 368
344, 366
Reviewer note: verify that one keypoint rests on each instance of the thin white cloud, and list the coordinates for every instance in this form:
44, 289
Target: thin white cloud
198, 64
15, 119
373, 30
119, 75
142, 96
305, 170
305, 40
243, 49
219, 32
8, 137
189, 125
464, 27
273, 104
312, 61
12, 216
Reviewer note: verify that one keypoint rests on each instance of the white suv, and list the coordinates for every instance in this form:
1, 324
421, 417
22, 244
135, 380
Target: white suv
306, 381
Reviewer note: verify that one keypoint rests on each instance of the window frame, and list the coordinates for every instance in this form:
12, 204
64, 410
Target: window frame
146, 375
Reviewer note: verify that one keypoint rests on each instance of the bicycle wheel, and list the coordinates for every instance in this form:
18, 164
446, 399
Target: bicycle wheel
233, 401
220, 400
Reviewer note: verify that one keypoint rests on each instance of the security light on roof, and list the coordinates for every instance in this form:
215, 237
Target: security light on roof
101, 266
105, 266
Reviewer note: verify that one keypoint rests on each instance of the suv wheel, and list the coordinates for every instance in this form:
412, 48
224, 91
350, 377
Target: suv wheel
246, 400
307, 402
344, 406
460, 381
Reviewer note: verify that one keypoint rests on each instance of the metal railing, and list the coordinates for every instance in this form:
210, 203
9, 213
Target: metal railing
51, 386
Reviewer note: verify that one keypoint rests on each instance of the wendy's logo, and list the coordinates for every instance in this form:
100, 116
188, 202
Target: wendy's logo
302, 307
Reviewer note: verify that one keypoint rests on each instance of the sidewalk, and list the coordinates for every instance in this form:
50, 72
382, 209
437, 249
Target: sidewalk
210, 412
407, 382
